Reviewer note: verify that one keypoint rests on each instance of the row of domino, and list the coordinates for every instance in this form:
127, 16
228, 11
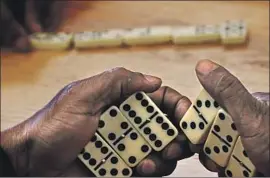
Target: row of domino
126, 135
229, 32
205, 122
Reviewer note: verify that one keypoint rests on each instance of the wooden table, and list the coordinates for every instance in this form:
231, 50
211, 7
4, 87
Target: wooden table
29, 81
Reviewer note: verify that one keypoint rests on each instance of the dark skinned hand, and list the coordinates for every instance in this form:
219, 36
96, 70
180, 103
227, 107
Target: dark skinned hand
250, 113
21, 18
48, 143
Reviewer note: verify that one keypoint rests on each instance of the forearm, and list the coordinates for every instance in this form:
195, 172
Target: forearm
14, 143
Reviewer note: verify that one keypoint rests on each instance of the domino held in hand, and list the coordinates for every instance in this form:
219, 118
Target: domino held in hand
221, 139
147, 118
197, 121
239, 164
102, 160
123, 137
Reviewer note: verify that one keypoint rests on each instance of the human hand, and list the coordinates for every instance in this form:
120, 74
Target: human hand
49, 142
30, 16
250, 113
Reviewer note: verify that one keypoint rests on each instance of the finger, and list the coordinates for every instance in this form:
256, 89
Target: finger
177, 149
172, 103
231, 95
12, 34
110, 87
31, 17
54, 17
209, 164
153, 165
250, 116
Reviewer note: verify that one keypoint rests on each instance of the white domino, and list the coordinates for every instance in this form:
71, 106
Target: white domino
221, 139
233, 32
239, 164
95, 39
197, 121
102, 160
195, 34
147, 118
207, 33
184, 35
51, 41
148, 36
123, 137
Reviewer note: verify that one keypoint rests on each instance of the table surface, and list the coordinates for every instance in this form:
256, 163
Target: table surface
29, 81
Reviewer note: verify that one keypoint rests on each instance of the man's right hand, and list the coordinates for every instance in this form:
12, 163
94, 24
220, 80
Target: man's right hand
250, 113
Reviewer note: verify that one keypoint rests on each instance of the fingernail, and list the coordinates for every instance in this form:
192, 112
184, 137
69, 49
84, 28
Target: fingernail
204, 67
148, 167
152, 79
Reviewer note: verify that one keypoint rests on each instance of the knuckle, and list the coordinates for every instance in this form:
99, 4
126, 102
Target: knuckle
120, 70
183, 103
118, 73
71, 87
140, 75
165, 87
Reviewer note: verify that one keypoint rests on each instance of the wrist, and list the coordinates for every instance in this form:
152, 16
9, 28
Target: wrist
14, 142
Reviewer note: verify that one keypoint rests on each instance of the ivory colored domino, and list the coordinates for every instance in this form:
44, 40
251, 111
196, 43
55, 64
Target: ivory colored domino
123, 137
195, 34
149, 120
51, 41
221, 139
148, 36
102, 160
233, 32
197, 121
107, 38
239, 164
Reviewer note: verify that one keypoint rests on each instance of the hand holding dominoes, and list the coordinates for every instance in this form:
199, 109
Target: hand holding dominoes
78, 120
235, 140
140, 139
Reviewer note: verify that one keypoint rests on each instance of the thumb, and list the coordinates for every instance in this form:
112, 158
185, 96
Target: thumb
31, 17
231, 95
250, 115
